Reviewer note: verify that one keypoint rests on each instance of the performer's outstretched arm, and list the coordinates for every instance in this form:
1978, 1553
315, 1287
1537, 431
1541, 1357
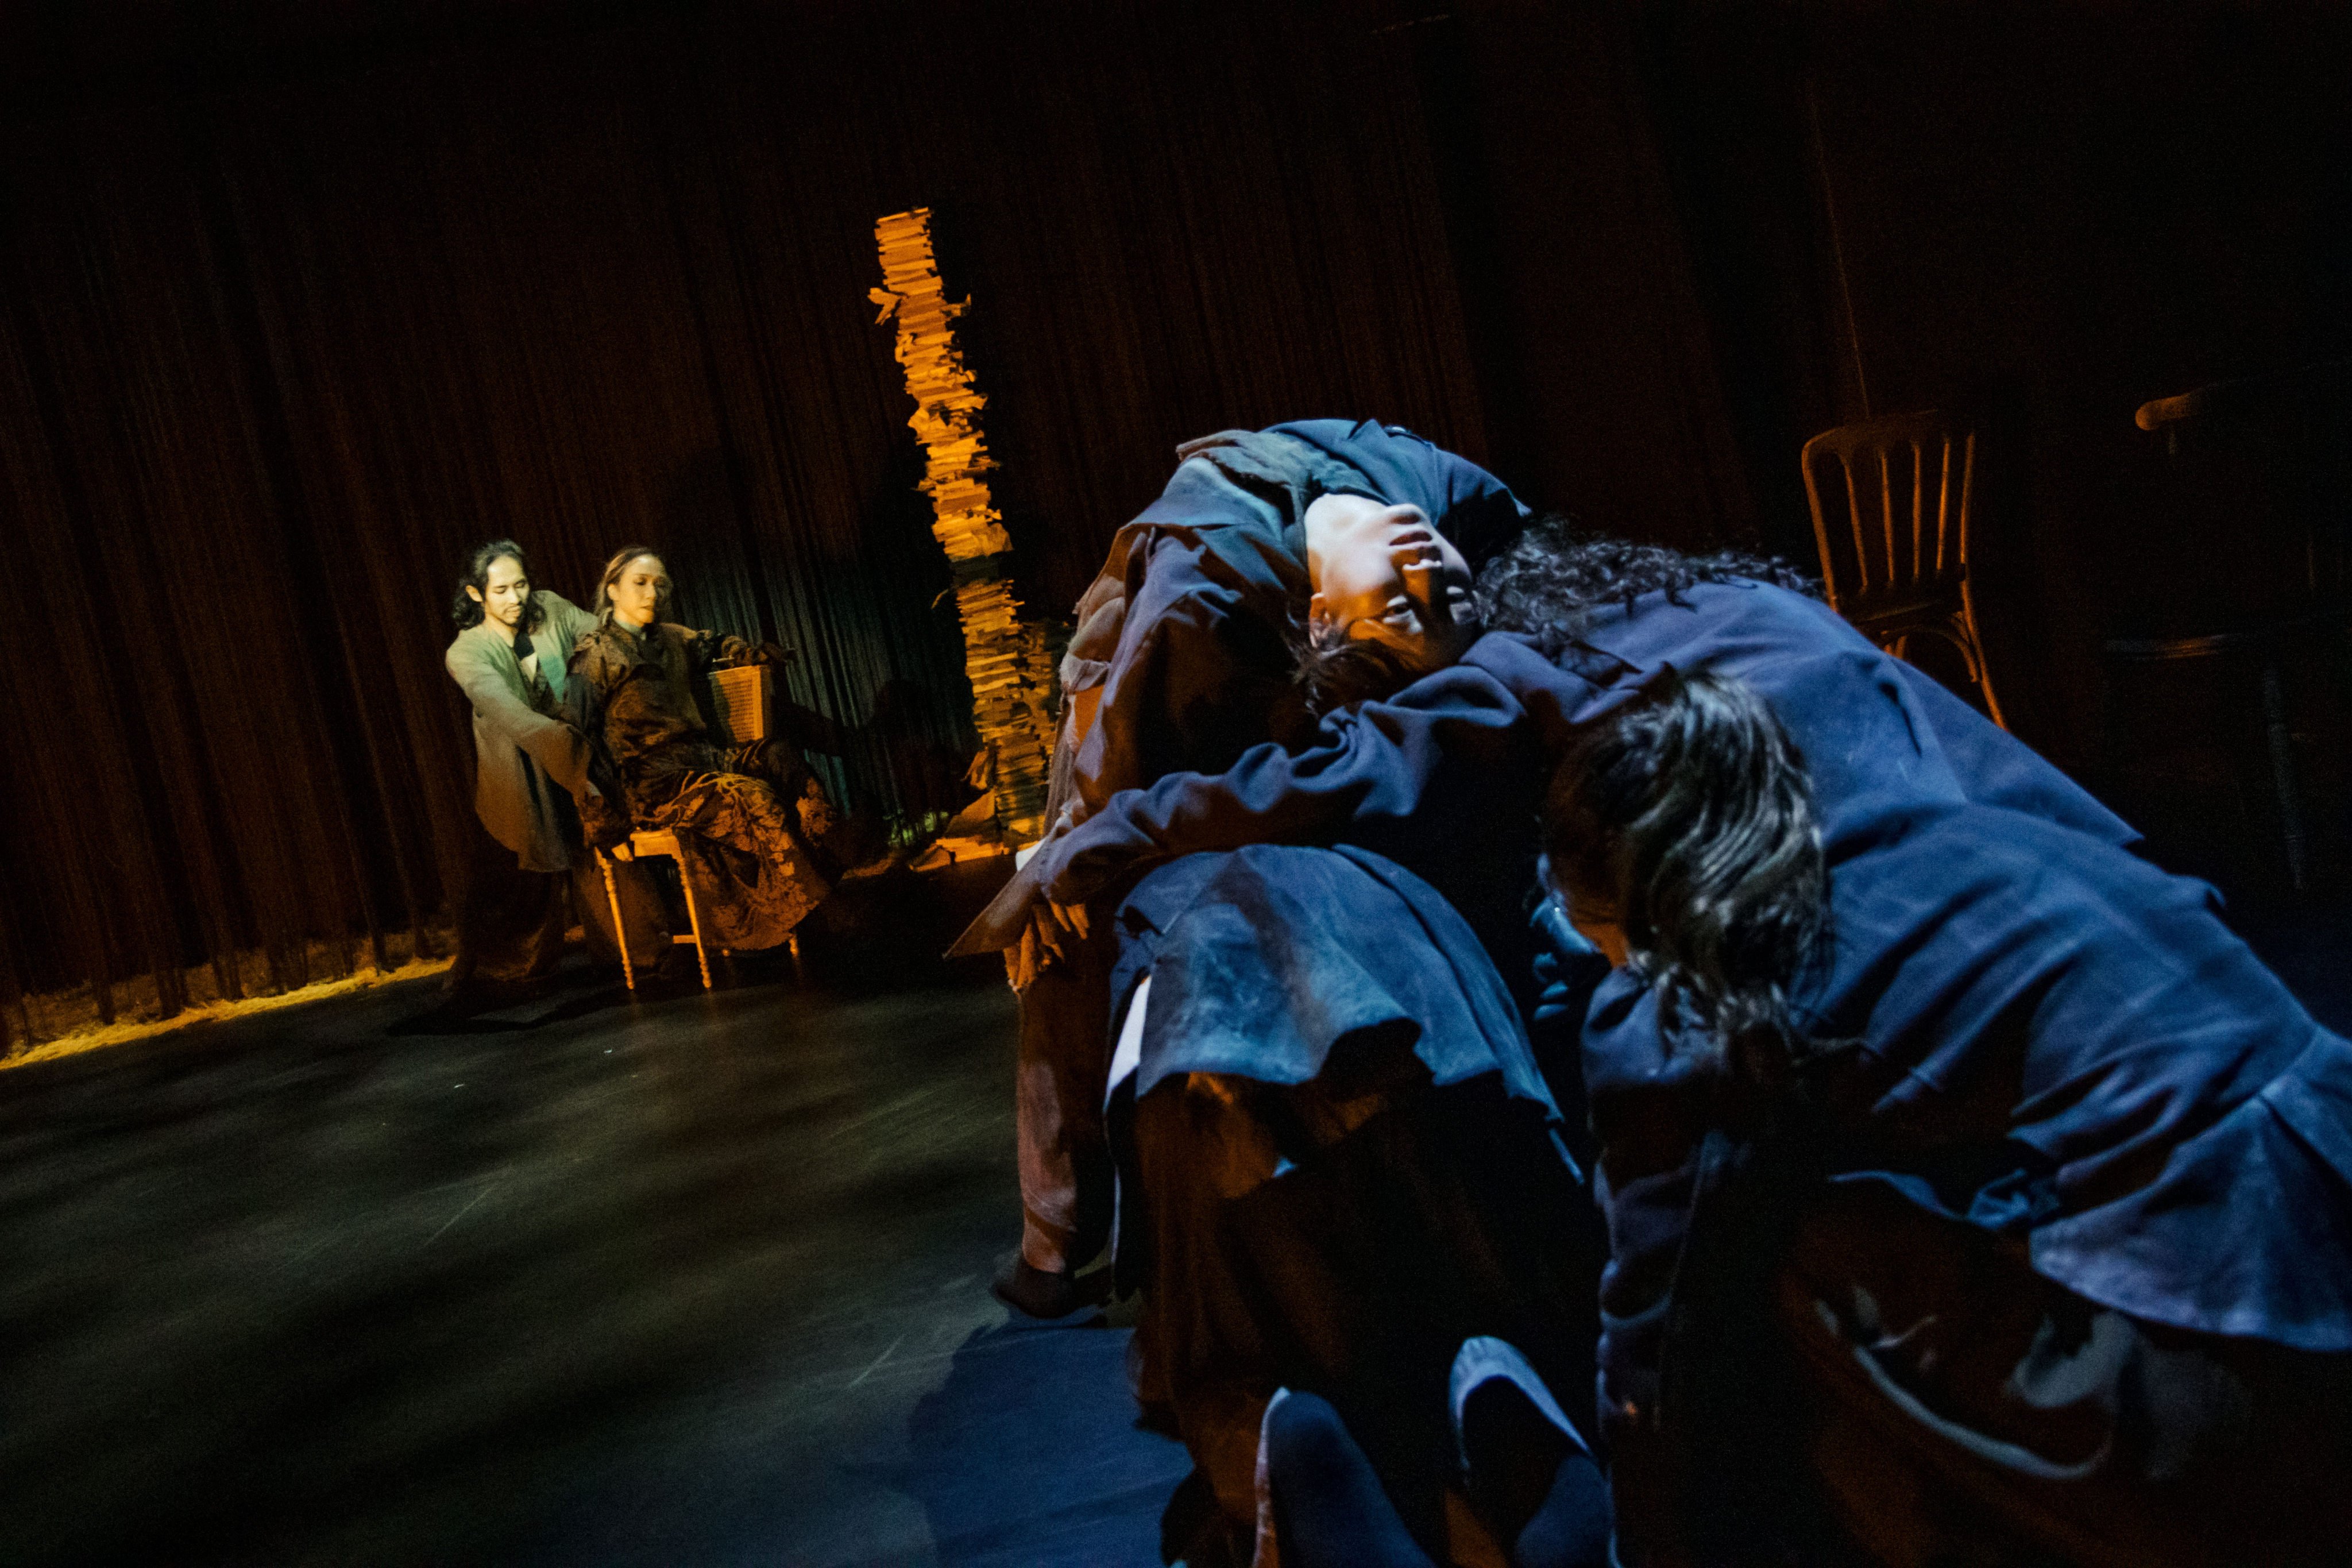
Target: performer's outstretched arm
1379, 766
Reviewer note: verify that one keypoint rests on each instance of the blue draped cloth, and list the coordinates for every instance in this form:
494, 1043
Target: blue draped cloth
1265, 961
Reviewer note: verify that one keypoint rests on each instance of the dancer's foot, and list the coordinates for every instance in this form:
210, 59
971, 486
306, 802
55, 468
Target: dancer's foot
1041, 1294
1529, 1468
1318, 1498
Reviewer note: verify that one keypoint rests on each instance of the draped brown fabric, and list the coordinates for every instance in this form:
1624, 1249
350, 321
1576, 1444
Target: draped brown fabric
276, 351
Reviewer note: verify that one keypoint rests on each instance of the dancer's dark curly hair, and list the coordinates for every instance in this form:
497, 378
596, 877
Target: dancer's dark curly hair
1552, 577
1686, 819
1547, 583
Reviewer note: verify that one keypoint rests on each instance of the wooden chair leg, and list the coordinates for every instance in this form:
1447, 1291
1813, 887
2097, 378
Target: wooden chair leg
620, 931
1982, 673
1992, 703
694, 919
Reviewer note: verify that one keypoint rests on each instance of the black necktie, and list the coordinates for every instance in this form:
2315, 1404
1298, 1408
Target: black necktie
534, 680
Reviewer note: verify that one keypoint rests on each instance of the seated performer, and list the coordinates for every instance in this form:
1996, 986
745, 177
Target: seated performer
2023, 1234
1180, 661
508, 659
754, 823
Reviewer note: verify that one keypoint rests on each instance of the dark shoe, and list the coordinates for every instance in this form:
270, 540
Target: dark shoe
1043, 1295
475, 995
1526, 1465
1319, 1503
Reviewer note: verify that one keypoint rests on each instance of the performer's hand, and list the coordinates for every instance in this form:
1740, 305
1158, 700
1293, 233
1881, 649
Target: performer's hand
1071, 917
1045, 934
773, 653
1568, 967
1021, 962
622, 852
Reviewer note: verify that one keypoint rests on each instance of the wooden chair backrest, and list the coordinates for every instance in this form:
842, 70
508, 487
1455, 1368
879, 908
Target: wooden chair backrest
739, 700
1891, 499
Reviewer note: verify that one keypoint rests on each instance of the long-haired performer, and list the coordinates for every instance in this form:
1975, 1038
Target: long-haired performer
514, 639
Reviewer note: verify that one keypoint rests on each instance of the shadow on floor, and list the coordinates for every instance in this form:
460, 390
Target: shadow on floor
1018, 1459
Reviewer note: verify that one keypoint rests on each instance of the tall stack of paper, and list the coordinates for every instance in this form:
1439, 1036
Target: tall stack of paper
1004, 655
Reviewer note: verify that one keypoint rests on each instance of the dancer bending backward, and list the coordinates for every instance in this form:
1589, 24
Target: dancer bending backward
1180, 661
1974, 1193
754, 823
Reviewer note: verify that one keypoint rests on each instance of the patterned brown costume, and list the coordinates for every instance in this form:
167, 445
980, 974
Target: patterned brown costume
751, 821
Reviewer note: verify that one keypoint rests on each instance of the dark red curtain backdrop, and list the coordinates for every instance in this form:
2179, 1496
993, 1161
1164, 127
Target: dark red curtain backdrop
301, 299
278, 350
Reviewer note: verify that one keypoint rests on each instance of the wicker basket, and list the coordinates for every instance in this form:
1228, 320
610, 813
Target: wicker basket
739, 703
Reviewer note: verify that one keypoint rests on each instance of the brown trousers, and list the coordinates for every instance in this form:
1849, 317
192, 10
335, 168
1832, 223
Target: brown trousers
1065, 1155
511, 923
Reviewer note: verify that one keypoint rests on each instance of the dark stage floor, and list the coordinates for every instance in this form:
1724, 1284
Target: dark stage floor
700, 1280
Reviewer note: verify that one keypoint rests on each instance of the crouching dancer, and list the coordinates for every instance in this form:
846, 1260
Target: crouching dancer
2012, 1225
1340, 1163
2011, 1221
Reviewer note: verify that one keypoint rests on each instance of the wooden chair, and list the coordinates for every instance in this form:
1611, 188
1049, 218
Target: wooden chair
1895, 559
659, 842
740, 700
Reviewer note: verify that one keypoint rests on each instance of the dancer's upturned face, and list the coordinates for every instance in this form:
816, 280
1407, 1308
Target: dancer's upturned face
505, 592
1383, 572
637, 592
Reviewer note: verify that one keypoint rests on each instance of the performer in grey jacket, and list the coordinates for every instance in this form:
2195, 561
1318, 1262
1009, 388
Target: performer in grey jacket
509, 658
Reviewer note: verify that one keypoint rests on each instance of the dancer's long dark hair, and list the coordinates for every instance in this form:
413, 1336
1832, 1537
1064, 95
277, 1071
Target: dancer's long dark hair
475, 573
1686, 818
1331, 669
1551, 578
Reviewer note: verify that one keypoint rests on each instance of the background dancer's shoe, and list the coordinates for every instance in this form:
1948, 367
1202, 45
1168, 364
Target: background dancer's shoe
1042, 1294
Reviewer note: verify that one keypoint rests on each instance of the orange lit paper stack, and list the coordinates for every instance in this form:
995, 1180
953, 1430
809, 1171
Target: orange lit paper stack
1004, 656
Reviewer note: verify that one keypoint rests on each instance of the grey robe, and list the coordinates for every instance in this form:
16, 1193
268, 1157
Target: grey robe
521, 753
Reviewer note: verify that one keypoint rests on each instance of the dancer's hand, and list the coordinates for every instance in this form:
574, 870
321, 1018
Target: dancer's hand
622, 852
1043, 940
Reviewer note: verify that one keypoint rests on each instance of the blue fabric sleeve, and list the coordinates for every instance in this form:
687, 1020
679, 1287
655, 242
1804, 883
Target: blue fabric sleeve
1200, 675
1369, 778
